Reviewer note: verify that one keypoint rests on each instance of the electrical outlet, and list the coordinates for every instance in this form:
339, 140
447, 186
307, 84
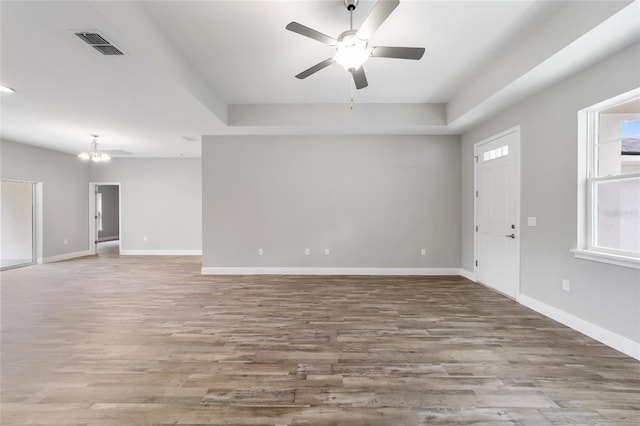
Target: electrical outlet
423, 252
144, 238
566, 285
327, 252
307, 252
66, 241
532, 221
260, 251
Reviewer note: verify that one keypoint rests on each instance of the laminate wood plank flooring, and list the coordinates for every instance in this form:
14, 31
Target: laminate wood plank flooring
130, 340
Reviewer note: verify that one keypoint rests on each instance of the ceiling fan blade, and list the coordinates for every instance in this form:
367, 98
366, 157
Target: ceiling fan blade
314, 69
397, 52
311, 33
380, 12
359, 78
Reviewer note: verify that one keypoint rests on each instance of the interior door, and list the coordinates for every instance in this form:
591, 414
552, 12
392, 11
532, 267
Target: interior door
17, 224
497, 206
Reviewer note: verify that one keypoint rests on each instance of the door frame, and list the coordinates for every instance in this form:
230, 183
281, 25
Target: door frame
36, 223
93, 225
476, 148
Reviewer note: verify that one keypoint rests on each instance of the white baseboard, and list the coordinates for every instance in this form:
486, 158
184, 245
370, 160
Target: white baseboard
65, 256
467, 274
327, 271
609, 338
160, 252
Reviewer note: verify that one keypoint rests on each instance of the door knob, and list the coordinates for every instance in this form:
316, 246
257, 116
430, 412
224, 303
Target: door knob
511, 236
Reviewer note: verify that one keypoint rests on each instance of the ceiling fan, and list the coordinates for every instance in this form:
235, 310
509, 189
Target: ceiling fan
352, 46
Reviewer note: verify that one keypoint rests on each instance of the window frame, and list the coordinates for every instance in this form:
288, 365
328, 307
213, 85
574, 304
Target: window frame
588, 181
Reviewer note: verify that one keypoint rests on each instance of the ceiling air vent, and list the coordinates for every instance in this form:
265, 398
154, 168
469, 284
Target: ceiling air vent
108, 50
99, 43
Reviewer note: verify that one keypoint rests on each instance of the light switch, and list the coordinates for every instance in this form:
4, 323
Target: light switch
531, 221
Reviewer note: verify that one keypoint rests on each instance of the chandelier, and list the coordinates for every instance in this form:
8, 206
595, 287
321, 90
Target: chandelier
94, 154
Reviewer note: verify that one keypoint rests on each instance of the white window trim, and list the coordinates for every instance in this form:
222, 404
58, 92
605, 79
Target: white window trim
587, 129
612, 259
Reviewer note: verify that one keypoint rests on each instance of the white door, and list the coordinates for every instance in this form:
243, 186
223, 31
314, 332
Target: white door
16, 224
497, 212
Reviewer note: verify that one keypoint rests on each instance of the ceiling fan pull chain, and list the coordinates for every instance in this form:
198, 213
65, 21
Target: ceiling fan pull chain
351, 101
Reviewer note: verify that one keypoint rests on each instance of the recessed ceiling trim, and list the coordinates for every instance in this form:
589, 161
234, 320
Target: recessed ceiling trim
117, 152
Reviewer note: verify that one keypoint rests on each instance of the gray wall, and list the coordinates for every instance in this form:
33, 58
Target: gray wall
374, 201
65, 193
161, 199
110, 212
605, 295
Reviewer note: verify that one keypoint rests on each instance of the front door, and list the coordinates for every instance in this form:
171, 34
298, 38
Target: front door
497, 201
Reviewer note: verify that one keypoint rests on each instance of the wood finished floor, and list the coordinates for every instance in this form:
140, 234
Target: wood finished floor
147, 340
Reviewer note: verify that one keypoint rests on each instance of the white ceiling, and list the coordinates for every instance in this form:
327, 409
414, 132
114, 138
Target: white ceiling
195, 68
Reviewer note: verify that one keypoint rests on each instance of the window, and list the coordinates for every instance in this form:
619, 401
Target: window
496, 153
610, 223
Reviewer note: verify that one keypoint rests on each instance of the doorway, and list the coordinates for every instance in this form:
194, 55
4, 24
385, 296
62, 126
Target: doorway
104, 218
497, 212
18, 224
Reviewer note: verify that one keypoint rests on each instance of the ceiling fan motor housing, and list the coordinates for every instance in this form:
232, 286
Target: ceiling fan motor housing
351, 4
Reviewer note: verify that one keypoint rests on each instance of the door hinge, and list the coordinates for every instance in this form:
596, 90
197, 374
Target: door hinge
476, 194
476, 228
476, 263
476, 157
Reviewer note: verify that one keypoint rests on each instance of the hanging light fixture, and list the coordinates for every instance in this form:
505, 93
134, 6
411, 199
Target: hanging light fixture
94, 154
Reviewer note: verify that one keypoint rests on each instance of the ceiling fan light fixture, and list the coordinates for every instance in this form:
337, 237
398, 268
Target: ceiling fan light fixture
352, 52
